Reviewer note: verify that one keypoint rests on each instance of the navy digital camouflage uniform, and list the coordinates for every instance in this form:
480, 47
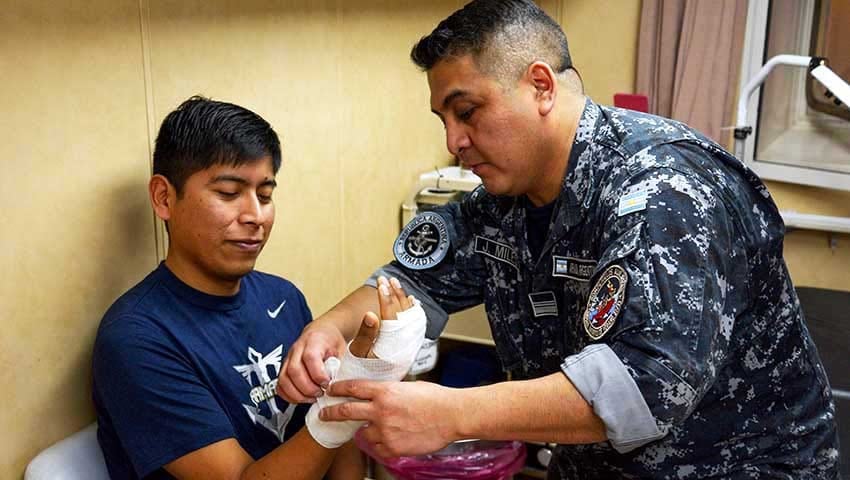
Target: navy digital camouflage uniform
710, 328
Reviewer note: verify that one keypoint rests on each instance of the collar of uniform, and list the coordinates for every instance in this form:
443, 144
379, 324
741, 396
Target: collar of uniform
575, 189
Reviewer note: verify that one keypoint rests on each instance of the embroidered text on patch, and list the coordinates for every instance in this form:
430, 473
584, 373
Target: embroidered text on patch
423, 243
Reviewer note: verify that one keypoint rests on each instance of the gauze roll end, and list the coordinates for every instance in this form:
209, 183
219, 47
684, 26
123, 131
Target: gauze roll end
332, 367
330, 434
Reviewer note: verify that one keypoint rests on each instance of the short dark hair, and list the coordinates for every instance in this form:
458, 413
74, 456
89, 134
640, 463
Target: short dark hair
502, 36
201, 133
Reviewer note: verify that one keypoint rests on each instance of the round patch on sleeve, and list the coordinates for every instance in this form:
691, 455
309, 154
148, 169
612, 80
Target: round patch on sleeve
423, 242
605, 301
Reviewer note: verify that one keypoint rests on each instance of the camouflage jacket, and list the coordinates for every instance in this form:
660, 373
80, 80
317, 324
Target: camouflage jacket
668, 250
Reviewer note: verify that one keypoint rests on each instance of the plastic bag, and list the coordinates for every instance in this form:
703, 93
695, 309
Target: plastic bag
466, 460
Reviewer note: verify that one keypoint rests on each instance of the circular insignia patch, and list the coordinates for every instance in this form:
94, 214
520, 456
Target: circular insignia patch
423, 243
605, 301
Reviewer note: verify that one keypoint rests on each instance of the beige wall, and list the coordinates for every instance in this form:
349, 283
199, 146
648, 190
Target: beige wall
76, 228
84, 85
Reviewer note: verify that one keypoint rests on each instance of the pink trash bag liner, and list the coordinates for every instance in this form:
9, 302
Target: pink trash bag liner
466, 460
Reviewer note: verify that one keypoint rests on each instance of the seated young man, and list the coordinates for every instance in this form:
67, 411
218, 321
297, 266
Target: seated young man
186, 362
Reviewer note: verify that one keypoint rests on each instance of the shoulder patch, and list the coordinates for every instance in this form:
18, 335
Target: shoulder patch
605, 301
423, 243
632, 202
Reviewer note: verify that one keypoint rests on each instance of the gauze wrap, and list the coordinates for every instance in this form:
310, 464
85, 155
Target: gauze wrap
396, 348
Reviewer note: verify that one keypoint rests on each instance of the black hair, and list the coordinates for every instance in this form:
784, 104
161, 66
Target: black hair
529, 35
202, 132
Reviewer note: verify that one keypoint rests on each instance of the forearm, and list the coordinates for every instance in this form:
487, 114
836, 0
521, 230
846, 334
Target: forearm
546, 409
349, 464
298, 458
348, 313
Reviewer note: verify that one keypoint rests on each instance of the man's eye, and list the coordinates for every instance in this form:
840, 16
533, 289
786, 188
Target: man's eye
228, 194
466, 114
265, 198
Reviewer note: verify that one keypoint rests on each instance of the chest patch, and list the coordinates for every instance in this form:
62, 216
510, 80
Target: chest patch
571, 267
605, 301
543, 304
496, 250
423, 243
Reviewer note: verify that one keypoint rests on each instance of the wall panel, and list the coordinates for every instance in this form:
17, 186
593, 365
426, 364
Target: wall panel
76, 228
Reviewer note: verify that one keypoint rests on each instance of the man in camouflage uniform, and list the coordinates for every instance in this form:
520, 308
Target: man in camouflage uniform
631, 269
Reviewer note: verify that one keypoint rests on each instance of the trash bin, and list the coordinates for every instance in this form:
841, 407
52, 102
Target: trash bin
462, 460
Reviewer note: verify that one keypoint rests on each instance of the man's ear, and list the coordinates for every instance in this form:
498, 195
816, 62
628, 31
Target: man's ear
163, 196
542, 78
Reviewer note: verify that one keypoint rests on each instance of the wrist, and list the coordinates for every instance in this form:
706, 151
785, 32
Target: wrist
327, 323
461, 418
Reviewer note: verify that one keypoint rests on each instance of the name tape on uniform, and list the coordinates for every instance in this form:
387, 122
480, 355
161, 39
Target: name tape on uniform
496, 250
570, 267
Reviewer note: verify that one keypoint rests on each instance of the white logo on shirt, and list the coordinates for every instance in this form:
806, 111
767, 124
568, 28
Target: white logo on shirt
273, 313
264, 391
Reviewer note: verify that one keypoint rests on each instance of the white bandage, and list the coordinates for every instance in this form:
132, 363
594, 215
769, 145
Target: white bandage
396, 347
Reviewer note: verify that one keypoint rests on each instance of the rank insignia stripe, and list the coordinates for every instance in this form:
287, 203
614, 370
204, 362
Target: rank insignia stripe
543, 304
496, 250
423, 243
580, 269
605, 302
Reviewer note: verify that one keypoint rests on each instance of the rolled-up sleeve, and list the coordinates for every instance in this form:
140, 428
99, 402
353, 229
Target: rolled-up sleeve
605, 383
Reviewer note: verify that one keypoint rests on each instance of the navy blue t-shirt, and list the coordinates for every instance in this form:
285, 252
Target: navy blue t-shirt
176, 369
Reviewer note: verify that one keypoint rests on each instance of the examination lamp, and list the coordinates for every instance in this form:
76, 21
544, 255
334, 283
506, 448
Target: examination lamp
836, 88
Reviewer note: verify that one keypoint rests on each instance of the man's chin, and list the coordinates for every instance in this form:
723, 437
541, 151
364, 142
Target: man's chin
495, 188
235, 272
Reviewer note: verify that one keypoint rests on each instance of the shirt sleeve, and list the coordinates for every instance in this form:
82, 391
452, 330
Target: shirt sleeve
159, 408
456, 282
605, 383
673, 330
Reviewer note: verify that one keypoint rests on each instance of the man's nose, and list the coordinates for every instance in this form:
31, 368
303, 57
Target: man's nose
457, 139
252, 210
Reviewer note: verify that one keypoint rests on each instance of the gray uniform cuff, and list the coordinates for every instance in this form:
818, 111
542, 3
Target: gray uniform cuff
437, 317
602, 379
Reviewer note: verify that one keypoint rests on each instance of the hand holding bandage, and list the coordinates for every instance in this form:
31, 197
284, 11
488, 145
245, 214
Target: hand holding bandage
400, 333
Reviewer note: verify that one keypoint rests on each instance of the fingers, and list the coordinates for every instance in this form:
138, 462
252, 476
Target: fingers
372, 435
403, 300
386, 299
359, 389
315, 376
392, 298
361, 346
303, 372
347, 411
286, 388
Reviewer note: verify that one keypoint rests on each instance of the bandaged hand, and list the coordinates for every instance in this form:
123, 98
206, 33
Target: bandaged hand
401, 331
